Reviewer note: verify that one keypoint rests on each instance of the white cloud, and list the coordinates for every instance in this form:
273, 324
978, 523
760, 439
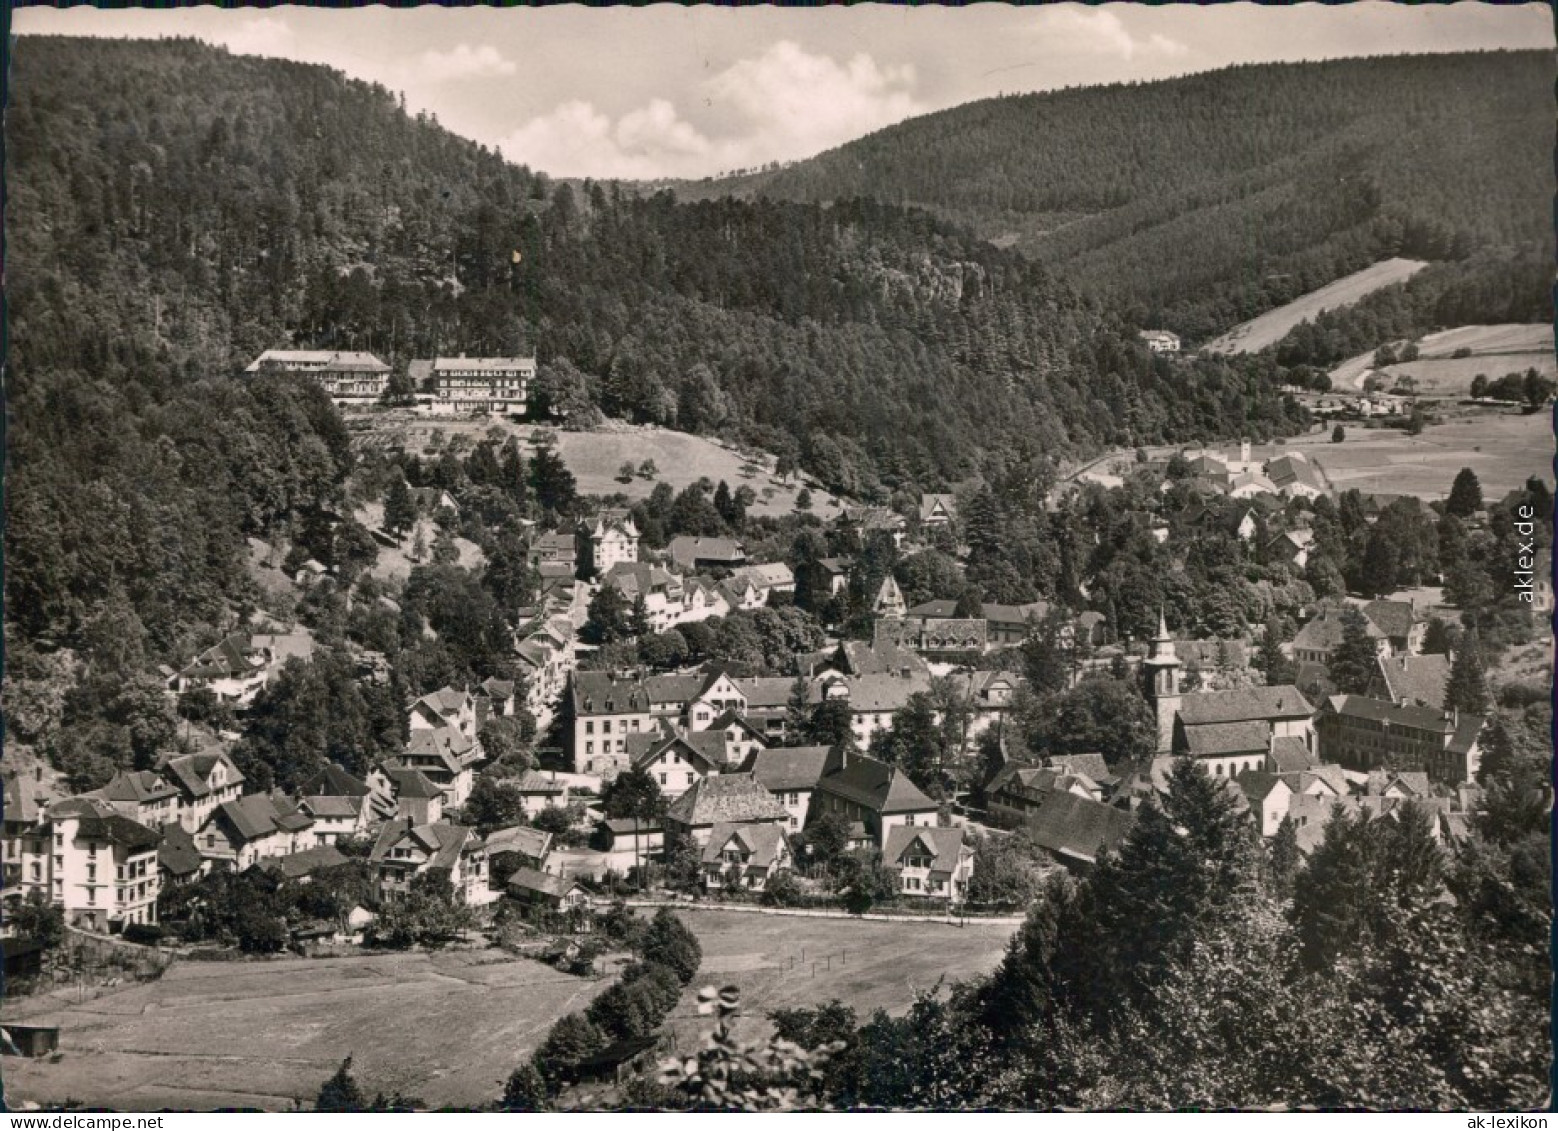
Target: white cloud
1095, 31
465, 62
782, 105
263, 35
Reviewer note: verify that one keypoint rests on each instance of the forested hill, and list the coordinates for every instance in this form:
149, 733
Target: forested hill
186, 209
1202, 201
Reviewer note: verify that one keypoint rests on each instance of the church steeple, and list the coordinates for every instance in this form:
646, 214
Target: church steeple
1160, 683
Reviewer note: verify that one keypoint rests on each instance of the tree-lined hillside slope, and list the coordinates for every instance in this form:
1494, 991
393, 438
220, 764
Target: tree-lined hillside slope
194, 208
1202, 201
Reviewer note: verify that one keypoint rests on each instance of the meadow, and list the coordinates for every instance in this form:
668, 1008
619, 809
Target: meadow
1271, 327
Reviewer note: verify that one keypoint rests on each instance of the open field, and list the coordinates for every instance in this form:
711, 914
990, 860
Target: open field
1503, 448
595, 457
446, 1027
1496, 350
868, 965
1273, 326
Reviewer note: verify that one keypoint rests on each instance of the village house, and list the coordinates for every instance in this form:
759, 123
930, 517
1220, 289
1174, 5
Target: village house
606, 710
102, 867
511, 849
493, 698
723, 799
694, 554
871, 796
937, 512
675, 763
1399, 623
258, 825
1269, 797
860, 522
791, 774
932, 863
204, 780
744, 856
406, 793
889, 599
482, 384
1411, 680
178, 857
445, 707
555, 548
1007, 625
1366, 734
232, 669
336, 818
642, 836
538, 791
551, 893
836, 573
24, 858
1322, 635
1295, 477
738, 593
767, 577
1017, 791
304, 864
144, 796
602, 542
664, 593
1292, 547
1076, 830
447, 758
1160, 341
872, 699
346, 376
405, 850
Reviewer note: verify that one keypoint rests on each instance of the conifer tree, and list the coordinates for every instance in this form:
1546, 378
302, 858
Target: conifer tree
1355, 659
1467, 689
340, 1093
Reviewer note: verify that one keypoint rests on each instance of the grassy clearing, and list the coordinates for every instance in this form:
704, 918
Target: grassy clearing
595, 457
446, 1027
1495, 350
1503, 448
1273, 326
869, 965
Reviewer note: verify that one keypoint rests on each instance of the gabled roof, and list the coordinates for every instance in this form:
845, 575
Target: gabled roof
1282, 702
765, 691
874, 785
521, 839
136, 786
930, 504
687, 551
1091, 765
1214, 740
321, 361
299, 864
787, 768
411, 783
694, 749
767, 575
326, 805
944, 846
530, 880
253, 816
177, 854
599, 693
495, 365
726, 797
333, 781
1293, 468
1382, 711
1258, 784
1324, 631
670, 689
940, 609
192, 772
629, 826
1419, 680
230, 657
1078, 828
444, 741
763, 843
21, 804
442, 842
98, 821
1289, 755
444, 702
534, 781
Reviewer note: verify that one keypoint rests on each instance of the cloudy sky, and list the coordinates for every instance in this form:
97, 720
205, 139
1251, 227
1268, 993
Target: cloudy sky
669, 91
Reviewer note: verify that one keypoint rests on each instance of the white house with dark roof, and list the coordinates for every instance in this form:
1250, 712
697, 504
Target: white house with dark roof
675, 761
737, 799
604, 541
481, 384
872, 796
346, 376
232, 669
204, 780
791, 774
606, 710
744, 856
101, 866
932, 863
405, 850
937, 511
